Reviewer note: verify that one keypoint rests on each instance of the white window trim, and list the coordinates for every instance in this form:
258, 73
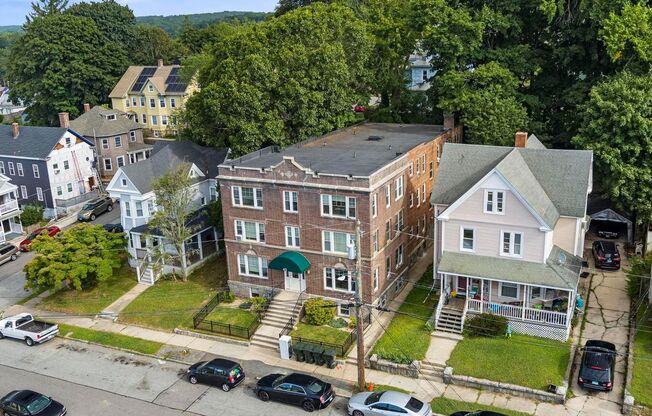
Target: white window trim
19, 169
23, 191
39, 193
292, 233
500, 290
374, 205
399, 250
494, 205
110, 163
423, 193
347, 200
35, 170
117, 161
339, 310
418, 196
462, 228
375, 244
334, 288
257, 204
349, 236
260, 266
243, 236
511, 243
411, 169
411, 199
290, 210
398, 190
375, 279
388, 195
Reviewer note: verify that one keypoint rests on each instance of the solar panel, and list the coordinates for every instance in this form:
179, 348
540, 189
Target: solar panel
177, 87
145, 73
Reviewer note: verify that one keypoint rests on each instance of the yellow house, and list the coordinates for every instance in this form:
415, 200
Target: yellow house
152, 96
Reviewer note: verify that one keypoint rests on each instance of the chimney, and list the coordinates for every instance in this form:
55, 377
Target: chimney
449, 121
87, 107
64, 120
15, 130
160, 62
520, 139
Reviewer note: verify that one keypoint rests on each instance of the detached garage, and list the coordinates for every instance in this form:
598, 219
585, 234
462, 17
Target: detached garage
606, 222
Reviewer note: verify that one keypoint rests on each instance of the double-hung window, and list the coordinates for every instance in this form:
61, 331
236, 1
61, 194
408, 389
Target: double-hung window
290, 201
467, 239
37, 173
431, 170
161, 102
139, 209
398, 260
375, 279
39, 193
398, 188
398, 224
19, 166
23, 191
509, 290
105, 143
66, 165
511, 244
250, 231
134, 102
388, 231
292, 236
388, 193
338, 279
411, 169
418, 197
375, 237
2, 167
252, 266
108, 164
411, 199
127, 209
388, 266
374, 205
243, 196
173, 102
12, 171
118, 141
142, 101
338, 206
494, 202
423, 193
152, 103
132, 135
337, 242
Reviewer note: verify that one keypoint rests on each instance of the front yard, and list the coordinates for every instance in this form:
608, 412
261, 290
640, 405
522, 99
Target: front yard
642, 374
170, 304
522, 360
110, 339
322, 333
232, 316
94, 300
407, 338
444, 406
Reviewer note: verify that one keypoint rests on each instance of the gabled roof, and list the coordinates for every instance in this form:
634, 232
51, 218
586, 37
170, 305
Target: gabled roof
533, 142
166, 156
6, 185
34, 142
165, 79
95, 123
546, 178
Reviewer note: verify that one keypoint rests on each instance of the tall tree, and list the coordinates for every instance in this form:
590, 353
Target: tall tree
154, 43
174, 200
46, 8
285, 6
61, 62
116, 22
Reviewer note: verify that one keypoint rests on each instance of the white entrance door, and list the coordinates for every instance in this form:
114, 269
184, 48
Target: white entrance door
295, 282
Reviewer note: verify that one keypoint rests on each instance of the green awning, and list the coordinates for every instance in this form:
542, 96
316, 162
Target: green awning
291, 261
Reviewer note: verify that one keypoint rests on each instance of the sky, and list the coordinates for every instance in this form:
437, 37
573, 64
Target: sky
12, 12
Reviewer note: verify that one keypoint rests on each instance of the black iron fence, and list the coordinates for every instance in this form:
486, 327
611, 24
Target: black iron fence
341, 349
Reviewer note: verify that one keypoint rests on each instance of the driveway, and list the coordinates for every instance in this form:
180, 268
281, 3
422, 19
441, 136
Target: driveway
607, 319
12, 280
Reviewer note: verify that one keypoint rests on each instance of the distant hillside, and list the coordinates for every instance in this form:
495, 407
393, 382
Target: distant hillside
14, 28
173, 24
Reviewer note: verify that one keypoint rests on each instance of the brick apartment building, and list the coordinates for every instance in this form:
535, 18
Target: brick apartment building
295, 209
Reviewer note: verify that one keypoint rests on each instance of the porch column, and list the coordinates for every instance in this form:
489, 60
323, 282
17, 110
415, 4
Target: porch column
201, 253
490, 287
481, 295
525, 288
570, 308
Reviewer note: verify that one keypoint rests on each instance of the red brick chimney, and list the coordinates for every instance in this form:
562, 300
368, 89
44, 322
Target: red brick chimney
15, 130
64, 120
160, 62
449, 120
520, 139
87, 107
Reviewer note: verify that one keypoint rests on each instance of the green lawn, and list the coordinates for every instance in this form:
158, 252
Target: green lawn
232, 316
110, 339
322, 333
171, 304
407, 338
642, 374
446, 406
522, 360
94, 300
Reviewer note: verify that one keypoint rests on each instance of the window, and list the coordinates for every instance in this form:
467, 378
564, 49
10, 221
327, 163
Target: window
375, 241
118, 141
127, 103
134, 102
344, 309
142, 101
375, 279
154, 120
12, 171
418, 166
512, 244
337, 242
537, 292
388, 230
23, 191
19, 166
150, 206
150, 87
132, 158
144, 118
388, 266
37, 173
152, 103
250, 231
338, 206
338, 279
411, 169
212, 193
292, 238
247, 197
174, 121
509, 290
290, 201
139, 209
494, 202
124, 182
411, 199
398, 256
132, 135
388, 192
418, 197
398, 224
136, 117
164, 120
252, 266
107, 164
59, 191
467, 239
173, 102
68, 139
69, 187
66, 165
431, 169
105, 143
374, 205
424, 75
127, 209
398, 185
161, 102
2, 167
423, 193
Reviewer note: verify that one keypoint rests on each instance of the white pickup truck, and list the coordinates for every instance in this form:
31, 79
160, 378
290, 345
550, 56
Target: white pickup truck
23, 326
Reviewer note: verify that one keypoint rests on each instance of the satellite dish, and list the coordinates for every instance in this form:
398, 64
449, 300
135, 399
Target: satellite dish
562, 258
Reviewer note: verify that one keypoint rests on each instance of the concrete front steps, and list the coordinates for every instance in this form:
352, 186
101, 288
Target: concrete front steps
277, 316
431, 370
450, 320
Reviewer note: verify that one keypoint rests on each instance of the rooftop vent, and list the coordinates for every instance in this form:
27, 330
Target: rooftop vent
375, 138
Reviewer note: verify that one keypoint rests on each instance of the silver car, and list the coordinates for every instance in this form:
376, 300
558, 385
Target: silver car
387, 403
8, 252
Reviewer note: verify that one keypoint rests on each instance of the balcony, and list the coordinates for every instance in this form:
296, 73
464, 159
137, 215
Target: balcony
9, 207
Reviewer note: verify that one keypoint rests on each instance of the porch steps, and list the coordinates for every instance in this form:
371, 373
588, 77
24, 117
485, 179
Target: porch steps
431, 370
147, 277
277, 316
450, 320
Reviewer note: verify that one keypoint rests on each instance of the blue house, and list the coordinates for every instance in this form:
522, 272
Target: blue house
419, 73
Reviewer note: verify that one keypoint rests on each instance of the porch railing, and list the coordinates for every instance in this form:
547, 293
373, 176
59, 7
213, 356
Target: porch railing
8, 207
517, 312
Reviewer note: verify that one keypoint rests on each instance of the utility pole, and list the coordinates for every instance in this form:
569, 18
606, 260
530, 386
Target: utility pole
358, 308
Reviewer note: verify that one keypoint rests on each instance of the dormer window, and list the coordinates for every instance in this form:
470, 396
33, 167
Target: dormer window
110, 116
150, 87
123, 182
494, 202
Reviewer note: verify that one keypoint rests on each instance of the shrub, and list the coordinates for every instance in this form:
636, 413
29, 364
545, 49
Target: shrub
486, 324
352, 322
258, 303
32, 214
228, 297
638, 267
338, 323
319, 311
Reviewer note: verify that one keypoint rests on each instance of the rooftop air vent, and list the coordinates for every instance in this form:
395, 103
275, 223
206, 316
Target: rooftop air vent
375, 138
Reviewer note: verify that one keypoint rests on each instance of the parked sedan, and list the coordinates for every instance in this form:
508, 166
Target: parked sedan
95, 207
8, 252
606, 255
297, 389
387, 403
219, 372
114, 228
51, 231
27, 402
597, 368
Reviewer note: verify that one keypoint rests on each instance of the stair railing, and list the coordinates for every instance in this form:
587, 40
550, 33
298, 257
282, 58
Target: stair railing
289, 326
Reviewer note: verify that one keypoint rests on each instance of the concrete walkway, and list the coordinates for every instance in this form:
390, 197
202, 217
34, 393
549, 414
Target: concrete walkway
114, 309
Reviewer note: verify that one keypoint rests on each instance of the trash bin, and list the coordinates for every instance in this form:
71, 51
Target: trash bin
318, 352
329, 358
308, 351
299, 351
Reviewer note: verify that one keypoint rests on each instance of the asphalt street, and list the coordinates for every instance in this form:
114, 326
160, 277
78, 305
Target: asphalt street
93, 380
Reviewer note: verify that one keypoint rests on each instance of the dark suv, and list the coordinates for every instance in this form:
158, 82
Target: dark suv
597, 369
95, 207
606, 255
219, 372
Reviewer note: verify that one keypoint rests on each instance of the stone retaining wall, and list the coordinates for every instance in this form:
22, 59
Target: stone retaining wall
558, 397
407, 370
210, 337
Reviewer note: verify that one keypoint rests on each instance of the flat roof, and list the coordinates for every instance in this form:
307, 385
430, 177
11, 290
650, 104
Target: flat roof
359, 150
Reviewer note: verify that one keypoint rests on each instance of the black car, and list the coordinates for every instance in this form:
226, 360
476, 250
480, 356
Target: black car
597, 368
95, 207
298, 389
478, 413
225, 374
114, 228
606, 255
608, 230
27, 402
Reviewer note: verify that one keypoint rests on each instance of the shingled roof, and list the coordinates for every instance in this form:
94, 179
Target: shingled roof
95, 123
32, 141
164, 78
